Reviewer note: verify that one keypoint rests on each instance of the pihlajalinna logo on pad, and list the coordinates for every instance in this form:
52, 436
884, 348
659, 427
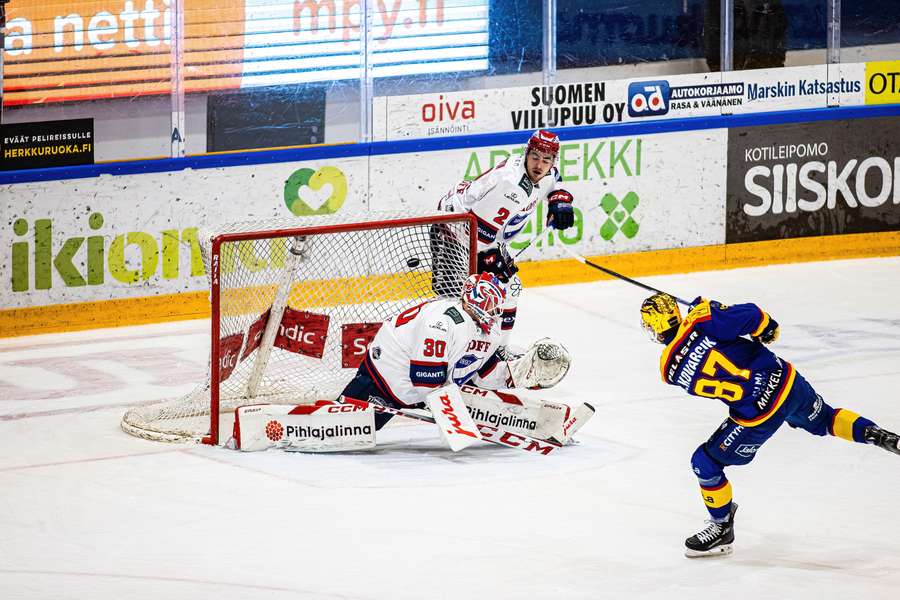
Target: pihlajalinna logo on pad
619, 216
309, 192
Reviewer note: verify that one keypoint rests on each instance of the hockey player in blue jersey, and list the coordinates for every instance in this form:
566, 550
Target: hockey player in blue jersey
717, 351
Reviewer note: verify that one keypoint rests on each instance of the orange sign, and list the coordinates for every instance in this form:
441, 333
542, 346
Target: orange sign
59, 50
63, 50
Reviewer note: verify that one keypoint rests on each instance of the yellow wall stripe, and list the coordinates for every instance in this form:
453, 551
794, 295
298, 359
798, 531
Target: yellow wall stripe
843, 423
194, 305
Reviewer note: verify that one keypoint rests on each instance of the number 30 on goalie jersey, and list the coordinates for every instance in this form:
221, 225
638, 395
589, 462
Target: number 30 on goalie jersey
432, 344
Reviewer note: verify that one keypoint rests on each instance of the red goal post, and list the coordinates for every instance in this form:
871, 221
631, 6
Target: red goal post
293, 304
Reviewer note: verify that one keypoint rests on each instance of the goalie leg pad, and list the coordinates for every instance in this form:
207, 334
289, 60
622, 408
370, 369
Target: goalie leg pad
542, 366
520, 413
324, 426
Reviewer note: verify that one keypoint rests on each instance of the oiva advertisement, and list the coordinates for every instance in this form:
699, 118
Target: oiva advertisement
139, 235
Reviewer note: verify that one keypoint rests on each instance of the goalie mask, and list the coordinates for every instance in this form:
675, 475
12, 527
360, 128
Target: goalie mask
660, 317
483, 299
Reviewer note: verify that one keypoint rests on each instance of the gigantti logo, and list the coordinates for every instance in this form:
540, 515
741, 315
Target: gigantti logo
619, 216
308, 192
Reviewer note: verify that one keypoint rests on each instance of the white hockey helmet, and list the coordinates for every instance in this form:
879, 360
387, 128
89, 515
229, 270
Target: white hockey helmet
483, 298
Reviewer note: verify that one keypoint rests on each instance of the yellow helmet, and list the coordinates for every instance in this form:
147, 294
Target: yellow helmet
659, 315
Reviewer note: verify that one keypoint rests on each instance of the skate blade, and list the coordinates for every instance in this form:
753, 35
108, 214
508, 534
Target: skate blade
723, 550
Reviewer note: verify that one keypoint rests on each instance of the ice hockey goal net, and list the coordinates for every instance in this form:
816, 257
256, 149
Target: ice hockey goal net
294, 304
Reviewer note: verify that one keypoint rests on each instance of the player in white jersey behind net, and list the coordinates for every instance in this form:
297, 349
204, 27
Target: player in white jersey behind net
503, 200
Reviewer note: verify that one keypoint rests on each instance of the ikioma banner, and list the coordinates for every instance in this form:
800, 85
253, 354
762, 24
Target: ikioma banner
811, 179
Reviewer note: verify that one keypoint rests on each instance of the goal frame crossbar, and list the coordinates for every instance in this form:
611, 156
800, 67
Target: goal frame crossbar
215, 279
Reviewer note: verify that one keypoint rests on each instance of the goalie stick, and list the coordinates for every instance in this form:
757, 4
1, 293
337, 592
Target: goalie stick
488, 433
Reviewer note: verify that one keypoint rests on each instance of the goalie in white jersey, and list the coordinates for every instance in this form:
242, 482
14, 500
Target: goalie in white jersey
502, 200
448, 341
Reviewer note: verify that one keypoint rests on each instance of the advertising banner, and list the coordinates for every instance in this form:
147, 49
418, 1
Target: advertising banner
631, 193
47, 144
503, 109
738, 92
603, 102
138, 235
883, 82
812, 179
89, 49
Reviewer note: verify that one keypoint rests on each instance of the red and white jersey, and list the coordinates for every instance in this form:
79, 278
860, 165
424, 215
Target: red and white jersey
431, 345
502, 200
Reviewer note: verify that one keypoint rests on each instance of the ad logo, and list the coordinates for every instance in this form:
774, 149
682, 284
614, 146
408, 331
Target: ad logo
618, 215
648, 98
883, 82
322, 192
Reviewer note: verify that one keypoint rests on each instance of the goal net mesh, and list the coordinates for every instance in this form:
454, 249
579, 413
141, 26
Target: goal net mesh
299, 300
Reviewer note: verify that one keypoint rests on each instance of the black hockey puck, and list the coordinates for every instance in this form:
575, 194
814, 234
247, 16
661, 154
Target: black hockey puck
412, 262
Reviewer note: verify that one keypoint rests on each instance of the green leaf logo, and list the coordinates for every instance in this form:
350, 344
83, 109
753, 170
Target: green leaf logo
322, 192
618, 215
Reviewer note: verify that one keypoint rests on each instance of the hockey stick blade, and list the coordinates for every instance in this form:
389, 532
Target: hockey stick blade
490, 434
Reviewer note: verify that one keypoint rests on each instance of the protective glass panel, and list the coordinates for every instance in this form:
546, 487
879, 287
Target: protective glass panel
88, 60
778, 33
260, 73
636, 38
870, 30
458, 45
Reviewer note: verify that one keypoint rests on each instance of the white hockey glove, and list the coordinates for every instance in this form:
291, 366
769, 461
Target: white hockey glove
542, 366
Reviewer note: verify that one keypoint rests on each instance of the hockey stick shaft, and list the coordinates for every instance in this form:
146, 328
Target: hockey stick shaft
489, 434
625, 278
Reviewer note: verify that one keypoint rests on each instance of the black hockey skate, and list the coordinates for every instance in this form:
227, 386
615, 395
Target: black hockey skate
882, 438
715, 540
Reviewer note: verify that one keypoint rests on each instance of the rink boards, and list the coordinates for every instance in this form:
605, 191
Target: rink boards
652, 196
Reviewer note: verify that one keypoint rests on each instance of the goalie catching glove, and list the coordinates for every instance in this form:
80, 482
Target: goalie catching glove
542, 366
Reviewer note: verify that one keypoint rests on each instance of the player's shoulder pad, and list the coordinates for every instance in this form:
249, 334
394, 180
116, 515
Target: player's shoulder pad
700, 310
455, 315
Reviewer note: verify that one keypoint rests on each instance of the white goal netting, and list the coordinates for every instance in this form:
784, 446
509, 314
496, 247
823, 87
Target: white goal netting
295, 303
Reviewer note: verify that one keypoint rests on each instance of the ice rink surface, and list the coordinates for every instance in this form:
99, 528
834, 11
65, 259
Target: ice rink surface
89, 512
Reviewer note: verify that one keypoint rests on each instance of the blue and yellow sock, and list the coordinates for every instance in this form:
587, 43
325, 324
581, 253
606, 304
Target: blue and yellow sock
848, 425
717, 499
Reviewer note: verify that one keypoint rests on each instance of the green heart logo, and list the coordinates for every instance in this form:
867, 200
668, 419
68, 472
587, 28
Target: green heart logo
322, 192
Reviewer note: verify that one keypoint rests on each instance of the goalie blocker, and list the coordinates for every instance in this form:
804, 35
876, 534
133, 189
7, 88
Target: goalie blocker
328, 426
